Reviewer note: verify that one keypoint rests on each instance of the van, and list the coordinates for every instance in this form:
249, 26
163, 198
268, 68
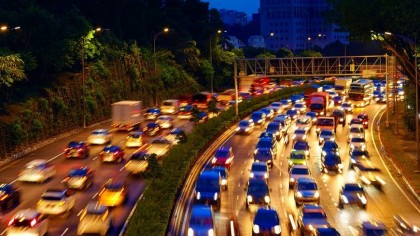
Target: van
170, 106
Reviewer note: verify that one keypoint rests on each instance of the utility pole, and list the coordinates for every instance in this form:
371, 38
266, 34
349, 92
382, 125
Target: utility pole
83, 82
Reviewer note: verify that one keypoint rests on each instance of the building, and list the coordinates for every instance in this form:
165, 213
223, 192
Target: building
256, 41
231, 17
297, 24
237, 43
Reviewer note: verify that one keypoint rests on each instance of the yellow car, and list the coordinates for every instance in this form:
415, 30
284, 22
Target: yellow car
134, 139
113, 193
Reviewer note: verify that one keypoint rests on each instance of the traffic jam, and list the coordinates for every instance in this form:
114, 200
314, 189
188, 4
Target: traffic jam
273, 175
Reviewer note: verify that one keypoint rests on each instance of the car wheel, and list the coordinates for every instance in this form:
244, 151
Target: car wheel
340, 205
363, 206
246, 205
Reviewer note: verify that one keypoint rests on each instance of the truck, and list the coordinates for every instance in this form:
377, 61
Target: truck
126, 115
342, 85
326, 122
319, 102
170, 106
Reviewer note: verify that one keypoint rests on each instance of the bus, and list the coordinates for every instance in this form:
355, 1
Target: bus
361, 92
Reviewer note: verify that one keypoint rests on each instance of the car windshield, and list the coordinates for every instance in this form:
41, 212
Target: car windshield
300, 146
265, 152
74, 145
298, 105
311, 114
114, 187
356, 121
352, 187
338, 113
330, 145
256, 116
273, 126
300, 131
297, 155
291, 112
200, 220
303, 121
222, 153
325, 122
264, 217
99, 132
314, 215
264, 143
52, 197
299, 171
258, 168
164, 118
134, 135
22, 222
307, 186
356, 130
332, 158
337, 98
257, 187
78, 172
359, 153
276, 105
167, 103
207, 184
139, 156
316, 106
111, 149
243, 123
357, 140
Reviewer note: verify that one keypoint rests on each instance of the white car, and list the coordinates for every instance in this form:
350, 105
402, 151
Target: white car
304, 122
28, 222
277, 107
300, 107
56, 202
37, 171
357, 144
356, 131
300, 134
134, 139
166, 122
100, 136
95, 219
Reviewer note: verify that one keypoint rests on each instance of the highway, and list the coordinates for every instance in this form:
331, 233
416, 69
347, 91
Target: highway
382, 205
31, 192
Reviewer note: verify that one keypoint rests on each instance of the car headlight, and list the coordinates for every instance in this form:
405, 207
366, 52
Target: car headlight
316, 195
237, 129
304, 136
290, 162
251, 175
267, 199
318, 129
294, 136
340, 166
306, 128
190, 232
299, 194
277, 229
260, 121
265, 175
214, 160
324, 153
255, 151
249, 198
198, 196
304, 163
321, 139
352, 146
277, 133
247, 129
311, 228
321, 113
341, 119
210, 232
224, 181
344, 199
352, 160
351, 136
256, 229
215, 196
306, 152
362, 198
292, 180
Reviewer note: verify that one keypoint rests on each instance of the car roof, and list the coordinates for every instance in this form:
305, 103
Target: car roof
312, 208
95, 208
299, 167
201, 211
37, 162
259, 164
100, 131
373, 225
27, 214
209, 174
224, 148
306, 180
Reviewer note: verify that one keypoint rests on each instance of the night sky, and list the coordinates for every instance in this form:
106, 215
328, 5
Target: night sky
247, 6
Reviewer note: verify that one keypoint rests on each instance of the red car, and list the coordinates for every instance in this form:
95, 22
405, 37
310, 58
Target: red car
77, 150
112, 153
365, 118
223, 157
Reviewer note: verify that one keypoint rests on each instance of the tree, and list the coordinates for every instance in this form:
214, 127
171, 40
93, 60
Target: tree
266, 55
195, 115
11, 69
284, 52
309, 53
212, 106
154, 169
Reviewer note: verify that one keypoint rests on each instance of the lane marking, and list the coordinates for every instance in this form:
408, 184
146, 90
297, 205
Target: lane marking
129, 216
65, 231
96, 194
80, 212
94, 158
2, 233
122, 168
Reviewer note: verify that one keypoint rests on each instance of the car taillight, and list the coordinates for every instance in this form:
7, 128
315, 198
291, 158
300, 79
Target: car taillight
33, 222
3, 197
116, 153
11, 222
80, 149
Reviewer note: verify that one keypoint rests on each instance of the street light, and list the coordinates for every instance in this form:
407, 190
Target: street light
211, 56
5, 27
155, 36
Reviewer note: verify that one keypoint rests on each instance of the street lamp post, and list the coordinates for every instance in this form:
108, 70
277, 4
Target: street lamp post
417, 105
155, 36
211, 58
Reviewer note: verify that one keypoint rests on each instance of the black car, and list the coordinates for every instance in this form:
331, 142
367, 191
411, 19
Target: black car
275, 128
331, 162
340, 116
357, 156
9, 196
79, 178
152, 129
257, 193
330, 146
267, 142
77, 150
264, 155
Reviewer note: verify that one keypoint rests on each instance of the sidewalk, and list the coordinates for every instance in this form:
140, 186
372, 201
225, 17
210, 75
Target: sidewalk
398, 150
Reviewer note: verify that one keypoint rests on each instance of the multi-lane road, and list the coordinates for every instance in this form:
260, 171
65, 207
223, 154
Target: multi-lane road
31, 192
382, 205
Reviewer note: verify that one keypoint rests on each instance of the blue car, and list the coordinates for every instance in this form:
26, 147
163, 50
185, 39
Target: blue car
257, 193
224, 174
292, 114
152, 113
275, 128
331, 162
312, 115
330, 231
352, 193
207, 189
330, 146
266, 221
201, 221
258, 117
312, 217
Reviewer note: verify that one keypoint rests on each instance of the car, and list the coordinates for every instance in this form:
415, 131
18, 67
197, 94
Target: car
185, 112
152, 129
381, 98
56, 202
292, 114
352, 193
275, 128
223, 157
176, 136
266, 222
347, 107
326, 135
201, 221
330, 146
340, 117
259, 170
165, 122
224, 174
267, 143
245, 127
299, 107
332, 94
257, 193
406, 224
269, 113
38, 170
258, 117
245, 95
76, 150
373, 227
303, 146
94, 219
296, 98
28, 222
376, 93
300, 135
338, 100
134, 139
356, 131
306, 191
365, 119
310, 218
203, 117
207, 188
152, 113
79, 178
296, 172
356, 121
137, 163
268, 135
287, 103
368, 174
9, 196
264, 155
328, 231
277, 107
285, 122
297, 158
100, 136
357, 156
327, 88
113, 193
330, 162
304, 122
357, 143
112, 153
